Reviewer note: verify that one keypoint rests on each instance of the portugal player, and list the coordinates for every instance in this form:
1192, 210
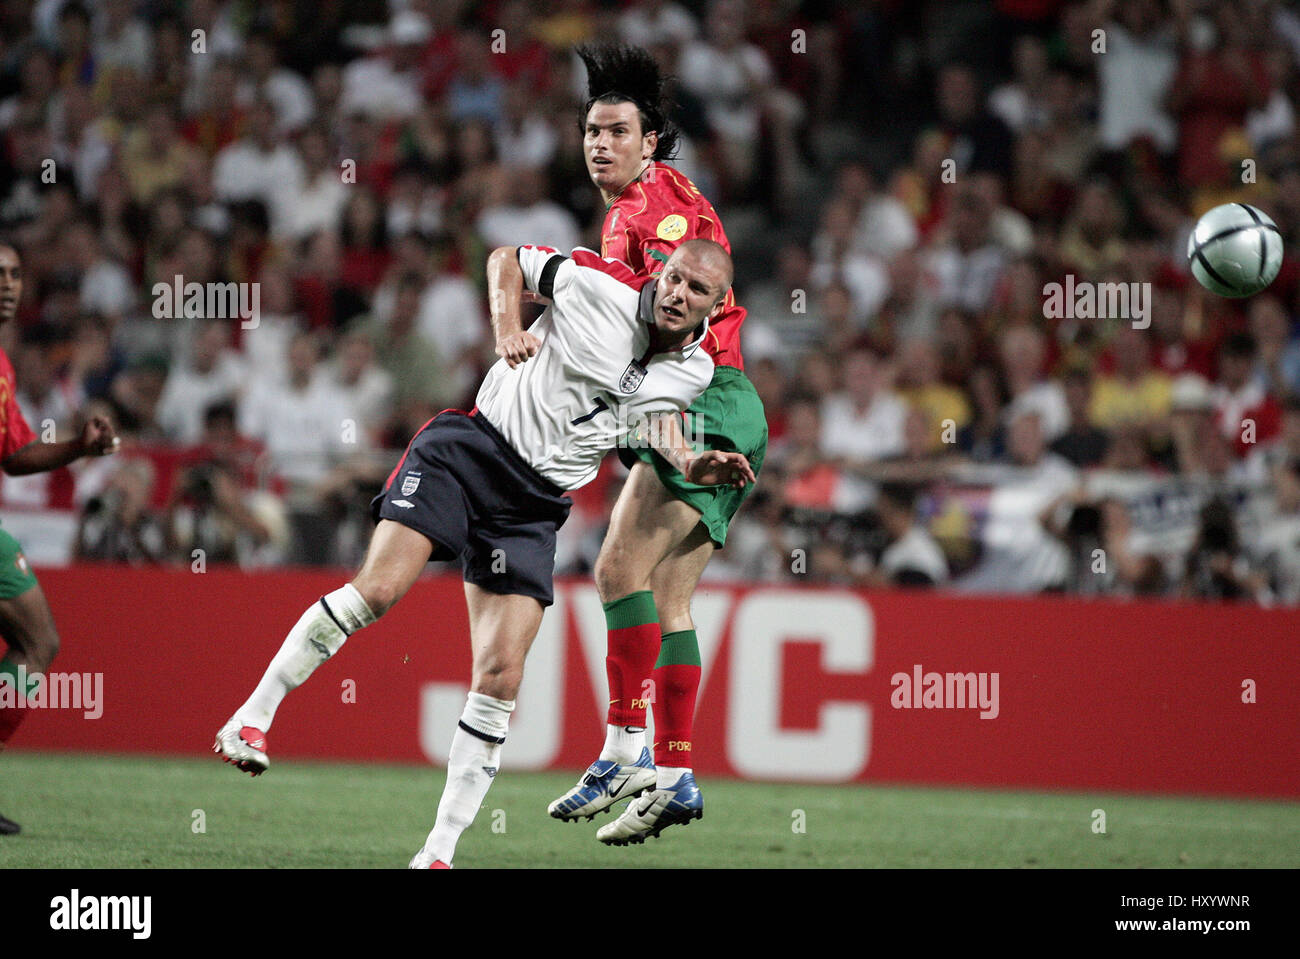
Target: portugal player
25, 621
664, 528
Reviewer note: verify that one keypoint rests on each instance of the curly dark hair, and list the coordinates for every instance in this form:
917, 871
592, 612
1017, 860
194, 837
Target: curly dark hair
621, 73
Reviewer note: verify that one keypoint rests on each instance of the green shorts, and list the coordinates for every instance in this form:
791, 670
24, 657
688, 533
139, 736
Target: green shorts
726, 416
16, 576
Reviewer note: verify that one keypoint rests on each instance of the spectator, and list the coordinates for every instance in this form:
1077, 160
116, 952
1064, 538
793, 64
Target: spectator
1023, 351
967, 265
420, 379
44, 401
362, 386
216, 114
387, 83
213, 371
37, 99
365, 254
1091, 241
155, 157
811, 482
106, 287
837, 260
1277, 551
1019, 553
785, 306
1021, 102
1216, 566
305, 428
117, 525
913, 557
863, 423
1216, 86
287, 92
321, 194
1246, 413
1281, 453
980, 140
984, 439
475, 92
525, 136
884, 228
1098, 536
1278, 367
266, 346
121, 40
209, 520
1134, 76
944, 408
95, 361
654, 22
528, 216
259, 166
1135, 393
1083, 444
135, 395
732, 78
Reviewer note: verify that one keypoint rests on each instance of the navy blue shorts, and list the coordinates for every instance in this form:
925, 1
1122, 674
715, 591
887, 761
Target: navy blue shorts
465, 488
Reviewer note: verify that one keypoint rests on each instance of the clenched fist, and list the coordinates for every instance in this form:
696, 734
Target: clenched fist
518, 347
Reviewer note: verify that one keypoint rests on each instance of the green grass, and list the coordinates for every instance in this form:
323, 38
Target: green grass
84, 811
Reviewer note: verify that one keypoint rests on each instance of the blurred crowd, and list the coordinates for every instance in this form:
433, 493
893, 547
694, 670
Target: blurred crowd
900, 181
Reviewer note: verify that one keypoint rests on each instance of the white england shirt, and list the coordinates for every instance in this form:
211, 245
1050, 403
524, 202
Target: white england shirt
593, 382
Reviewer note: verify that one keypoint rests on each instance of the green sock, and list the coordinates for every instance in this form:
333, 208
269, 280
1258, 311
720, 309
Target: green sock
679, 649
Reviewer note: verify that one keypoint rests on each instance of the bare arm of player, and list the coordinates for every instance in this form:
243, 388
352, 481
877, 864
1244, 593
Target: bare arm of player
709, 468
96, 439
505, 279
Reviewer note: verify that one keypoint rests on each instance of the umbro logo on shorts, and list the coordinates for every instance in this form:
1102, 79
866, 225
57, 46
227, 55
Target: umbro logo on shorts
405, 504
410, 483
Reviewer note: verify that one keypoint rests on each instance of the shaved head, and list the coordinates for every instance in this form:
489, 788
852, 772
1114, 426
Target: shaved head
710, 256
692, 286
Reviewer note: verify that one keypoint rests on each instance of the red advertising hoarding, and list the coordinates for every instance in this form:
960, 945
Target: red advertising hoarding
806, 684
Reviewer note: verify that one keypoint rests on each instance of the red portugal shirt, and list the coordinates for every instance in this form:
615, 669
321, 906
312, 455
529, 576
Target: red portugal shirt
648, 220
14, 431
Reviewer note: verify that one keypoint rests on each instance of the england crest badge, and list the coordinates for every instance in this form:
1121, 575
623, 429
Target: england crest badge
410, 483
632, 377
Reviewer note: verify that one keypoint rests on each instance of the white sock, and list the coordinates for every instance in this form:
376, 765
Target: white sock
471, 767
666, 776
623, 744
314, 638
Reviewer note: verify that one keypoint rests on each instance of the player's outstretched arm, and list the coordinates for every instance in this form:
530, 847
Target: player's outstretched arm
505, 279
96, 439
709, 468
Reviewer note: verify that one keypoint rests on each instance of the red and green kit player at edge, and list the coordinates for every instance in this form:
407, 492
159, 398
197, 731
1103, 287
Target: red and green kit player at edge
663, 529
26, 625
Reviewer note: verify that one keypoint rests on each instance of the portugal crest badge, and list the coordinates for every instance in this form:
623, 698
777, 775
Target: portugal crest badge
632, 377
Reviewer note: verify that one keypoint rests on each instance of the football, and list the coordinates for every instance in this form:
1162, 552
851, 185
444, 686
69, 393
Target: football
1235, 250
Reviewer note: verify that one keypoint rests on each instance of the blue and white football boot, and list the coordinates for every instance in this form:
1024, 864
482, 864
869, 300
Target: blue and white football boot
604, 783
654, 812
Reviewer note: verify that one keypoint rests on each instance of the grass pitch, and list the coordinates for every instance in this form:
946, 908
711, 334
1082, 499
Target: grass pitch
94, 811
